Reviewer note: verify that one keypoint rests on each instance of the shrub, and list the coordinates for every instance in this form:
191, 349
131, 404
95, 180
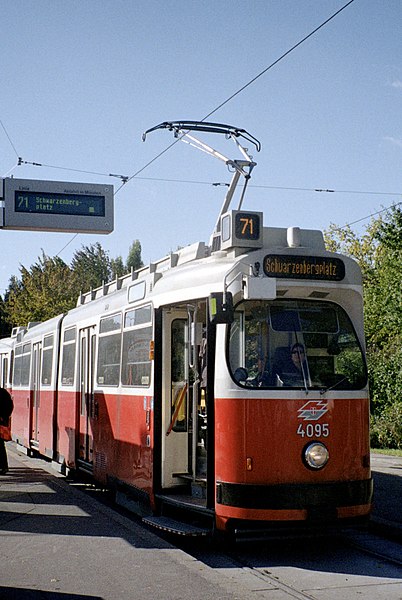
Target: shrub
386, 428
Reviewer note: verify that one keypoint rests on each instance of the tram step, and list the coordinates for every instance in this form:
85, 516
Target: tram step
177, 527
198, 489
199, 479
198, 485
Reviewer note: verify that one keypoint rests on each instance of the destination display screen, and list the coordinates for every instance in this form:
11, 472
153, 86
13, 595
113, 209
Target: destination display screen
66, 206
304, 267
59, 204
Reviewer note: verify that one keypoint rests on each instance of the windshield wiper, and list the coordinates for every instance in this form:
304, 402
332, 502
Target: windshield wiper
327, 389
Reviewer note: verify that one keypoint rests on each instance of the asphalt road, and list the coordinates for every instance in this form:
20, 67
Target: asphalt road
387, 474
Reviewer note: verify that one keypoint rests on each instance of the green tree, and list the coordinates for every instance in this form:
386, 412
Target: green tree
134, 260
390, 229
117, 267
44, 290
5, 328
382, 291
379, 253
50, 287
363, 249
91, 266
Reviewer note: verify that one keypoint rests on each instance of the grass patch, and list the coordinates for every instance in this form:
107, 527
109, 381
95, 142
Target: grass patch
386, 451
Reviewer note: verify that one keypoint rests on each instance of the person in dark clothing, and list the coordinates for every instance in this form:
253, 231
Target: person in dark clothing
6, 408
298, 356
293, 371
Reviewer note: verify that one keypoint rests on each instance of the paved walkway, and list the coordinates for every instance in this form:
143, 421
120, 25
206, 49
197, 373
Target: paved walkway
56, 543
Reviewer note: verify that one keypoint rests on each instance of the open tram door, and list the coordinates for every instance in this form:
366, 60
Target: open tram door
87, 343
184, 432
35, 396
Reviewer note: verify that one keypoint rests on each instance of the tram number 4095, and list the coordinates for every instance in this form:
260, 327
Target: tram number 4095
316, 430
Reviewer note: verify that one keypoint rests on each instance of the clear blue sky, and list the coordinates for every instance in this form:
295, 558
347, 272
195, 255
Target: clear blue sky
81, 80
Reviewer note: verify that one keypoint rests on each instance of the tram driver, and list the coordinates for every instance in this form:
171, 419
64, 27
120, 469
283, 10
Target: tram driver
292, 369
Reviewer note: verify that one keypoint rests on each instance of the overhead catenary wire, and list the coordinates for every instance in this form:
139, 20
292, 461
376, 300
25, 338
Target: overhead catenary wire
295, 189
125, 179
9, 139
275, 62
378, 212
263, 186
278, 60
273, 187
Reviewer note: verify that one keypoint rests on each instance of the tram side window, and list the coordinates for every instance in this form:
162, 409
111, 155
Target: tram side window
295, 343
137, 336
3, 371
109, 350
17, 366
22, 365
11, 373
47, 360
26, 364
68, 361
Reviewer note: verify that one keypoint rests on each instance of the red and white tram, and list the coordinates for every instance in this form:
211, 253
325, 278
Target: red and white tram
222, 388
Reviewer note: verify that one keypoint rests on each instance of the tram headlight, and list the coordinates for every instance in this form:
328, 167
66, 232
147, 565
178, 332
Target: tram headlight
316, 455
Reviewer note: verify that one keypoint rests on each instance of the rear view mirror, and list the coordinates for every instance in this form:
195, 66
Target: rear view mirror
220, 306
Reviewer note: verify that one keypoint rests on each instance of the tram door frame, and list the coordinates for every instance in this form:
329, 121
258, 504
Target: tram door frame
4, 371
36, 390
182, 397
86, 403
175, 459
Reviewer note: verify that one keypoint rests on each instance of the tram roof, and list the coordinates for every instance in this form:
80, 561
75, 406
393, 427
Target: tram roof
195, 272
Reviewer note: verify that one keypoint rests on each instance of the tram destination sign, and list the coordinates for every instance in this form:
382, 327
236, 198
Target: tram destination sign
304, 267
38, 205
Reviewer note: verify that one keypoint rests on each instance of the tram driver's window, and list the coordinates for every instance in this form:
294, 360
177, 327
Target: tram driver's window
249, 345
332, 356
265, 334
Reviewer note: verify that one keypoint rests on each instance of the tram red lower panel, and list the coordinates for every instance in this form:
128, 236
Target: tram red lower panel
121, 431
21, 418
123, 439
67, 427
42, 420
260, 472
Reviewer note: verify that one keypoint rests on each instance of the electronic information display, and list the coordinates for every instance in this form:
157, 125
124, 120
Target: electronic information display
304, 267
247, 226
240, 229
58, 206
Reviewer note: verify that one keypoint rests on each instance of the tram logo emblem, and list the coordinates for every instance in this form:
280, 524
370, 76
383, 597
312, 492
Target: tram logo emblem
313, 410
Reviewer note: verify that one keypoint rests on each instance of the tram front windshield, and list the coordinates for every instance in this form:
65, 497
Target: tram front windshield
295, 344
